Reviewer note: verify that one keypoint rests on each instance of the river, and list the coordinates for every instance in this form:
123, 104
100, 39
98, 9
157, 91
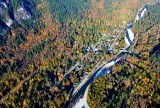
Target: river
129, 38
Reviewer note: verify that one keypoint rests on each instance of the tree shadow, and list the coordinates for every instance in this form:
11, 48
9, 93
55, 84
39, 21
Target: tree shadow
155, 49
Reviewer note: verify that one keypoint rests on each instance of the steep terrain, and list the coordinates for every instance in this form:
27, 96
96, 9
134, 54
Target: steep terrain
134, 81
44, 49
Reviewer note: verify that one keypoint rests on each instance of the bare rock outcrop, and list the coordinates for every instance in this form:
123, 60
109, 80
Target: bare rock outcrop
22, 14
3, 7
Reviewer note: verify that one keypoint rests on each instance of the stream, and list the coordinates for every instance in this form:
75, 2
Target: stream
105, 69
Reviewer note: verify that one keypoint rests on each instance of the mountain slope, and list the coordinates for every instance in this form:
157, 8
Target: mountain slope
134, 82
50, 38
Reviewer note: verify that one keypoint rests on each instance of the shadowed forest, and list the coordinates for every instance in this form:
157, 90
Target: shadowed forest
36, 54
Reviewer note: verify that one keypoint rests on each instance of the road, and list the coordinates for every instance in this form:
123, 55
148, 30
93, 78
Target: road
18, 86
79, 91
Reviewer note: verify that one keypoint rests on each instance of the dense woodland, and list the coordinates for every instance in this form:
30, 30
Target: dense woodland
35, 54
135, 82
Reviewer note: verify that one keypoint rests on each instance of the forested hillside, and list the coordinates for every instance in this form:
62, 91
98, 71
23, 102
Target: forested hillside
134, 83
42, 40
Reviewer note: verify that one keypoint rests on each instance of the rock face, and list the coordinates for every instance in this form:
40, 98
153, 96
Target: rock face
22, 14
2, 8
9, 22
